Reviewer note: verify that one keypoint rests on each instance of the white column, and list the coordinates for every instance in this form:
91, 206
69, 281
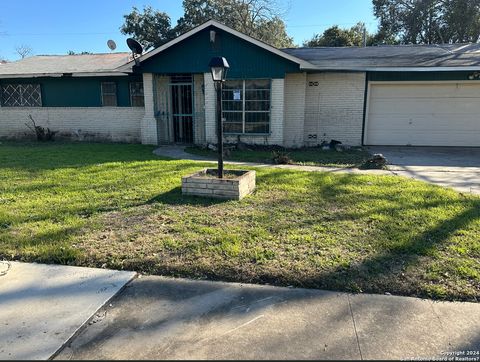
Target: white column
199, 107
277, 111
295, 109
210, 107
148, 126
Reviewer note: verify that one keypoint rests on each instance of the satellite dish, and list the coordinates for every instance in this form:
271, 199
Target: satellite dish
111, 45
134, 46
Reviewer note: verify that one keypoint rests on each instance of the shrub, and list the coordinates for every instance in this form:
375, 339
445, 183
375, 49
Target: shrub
43, 134
281, 158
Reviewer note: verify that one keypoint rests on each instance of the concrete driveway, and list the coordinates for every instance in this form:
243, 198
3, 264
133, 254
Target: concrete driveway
458, 168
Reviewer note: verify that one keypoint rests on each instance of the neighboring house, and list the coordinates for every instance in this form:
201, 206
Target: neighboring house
385, 95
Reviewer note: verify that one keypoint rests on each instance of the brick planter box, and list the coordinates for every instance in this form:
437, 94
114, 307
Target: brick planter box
236, 185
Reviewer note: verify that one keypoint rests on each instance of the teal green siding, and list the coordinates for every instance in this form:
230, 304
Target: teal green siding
417, 76
193, 54
78, 91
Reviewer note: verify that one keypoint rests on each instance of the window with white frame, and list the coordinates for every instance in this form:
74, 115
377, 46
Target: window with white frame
109, 94
246, 106
136, 94
21, 95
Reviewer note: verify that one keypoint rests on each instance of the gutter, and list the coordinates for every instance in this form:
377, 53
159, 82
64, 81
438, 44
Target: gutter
60, 75
34, 75
394, 69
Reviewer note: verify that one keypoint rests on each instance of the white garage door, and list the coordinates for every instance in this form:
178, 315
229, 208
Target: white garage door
423, 114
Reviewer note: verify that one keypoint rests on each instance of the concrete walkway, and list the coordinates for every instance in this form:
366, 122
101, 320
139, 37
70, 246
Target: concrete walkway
178, 152
163, 318
42, 306
462, 178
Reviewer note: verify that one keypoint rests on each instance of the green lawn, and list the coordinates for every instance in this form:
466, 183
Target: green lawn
303, 156
119, 206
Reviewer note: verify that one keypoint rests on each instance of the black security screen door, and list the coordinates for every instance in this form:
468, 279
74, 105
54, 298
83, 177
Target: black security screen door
182, 108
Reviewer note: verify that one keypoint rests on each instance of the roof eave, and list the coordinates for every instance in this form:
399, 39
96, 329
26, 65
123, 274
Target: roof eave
422, 69
100, 74
32, 75
66, 74
393, 69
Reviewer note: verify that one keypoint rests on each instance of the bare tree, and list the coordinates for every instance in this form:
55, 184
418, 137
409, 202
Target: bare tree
261, 19
250, 12
23, 50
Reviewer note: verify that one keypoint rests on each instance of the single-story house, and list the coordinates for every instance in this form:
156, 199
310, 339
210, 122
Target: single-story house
425, 95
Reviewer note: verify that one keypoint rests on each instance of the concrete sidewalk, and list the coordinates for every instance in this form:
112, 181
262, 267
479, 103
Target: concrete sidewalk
42, 306
163, 318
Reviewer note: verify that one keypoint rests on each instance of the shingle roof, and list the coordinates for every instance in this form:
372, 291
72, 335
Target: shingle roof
391, 56
60, 64
427, 57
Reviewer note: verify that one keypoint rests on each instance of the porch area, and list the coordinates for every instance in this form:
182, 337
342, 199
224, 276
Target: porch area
180, 108
175, 108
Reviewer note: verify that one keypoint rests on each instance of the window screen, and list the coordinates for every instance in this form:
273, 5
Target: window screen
109, 94
21, 95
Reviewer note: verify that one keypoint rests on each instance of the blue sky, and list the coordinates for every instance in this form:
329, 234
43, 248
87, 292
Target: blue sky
56, 26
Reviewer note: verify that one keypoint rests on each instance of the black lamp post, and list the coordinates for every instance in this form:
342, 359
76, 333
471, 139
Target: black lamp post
219, 67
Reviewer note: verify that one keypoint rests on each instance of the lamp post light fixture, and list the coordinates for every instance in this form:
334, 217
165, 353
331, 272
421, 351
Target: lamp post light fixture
219, 67
210, 182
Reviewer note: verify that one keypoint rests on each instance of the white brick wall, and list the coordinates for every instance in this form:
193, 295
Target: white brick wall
293, 131
210, 106
118, 124
148, 125
199, 108
163, 106
276, 116
331, 110
334, 108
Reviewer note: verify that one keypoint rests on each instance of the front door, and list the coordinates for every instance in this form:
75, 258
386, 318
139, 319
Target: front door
182, 108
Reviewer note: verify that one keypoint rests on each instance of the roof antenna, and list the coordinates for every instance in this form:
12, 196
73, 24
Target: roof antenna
135, 47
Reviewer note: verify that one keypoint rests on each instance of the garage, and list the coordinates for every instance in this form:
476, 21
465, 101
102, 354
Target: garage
423, 114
